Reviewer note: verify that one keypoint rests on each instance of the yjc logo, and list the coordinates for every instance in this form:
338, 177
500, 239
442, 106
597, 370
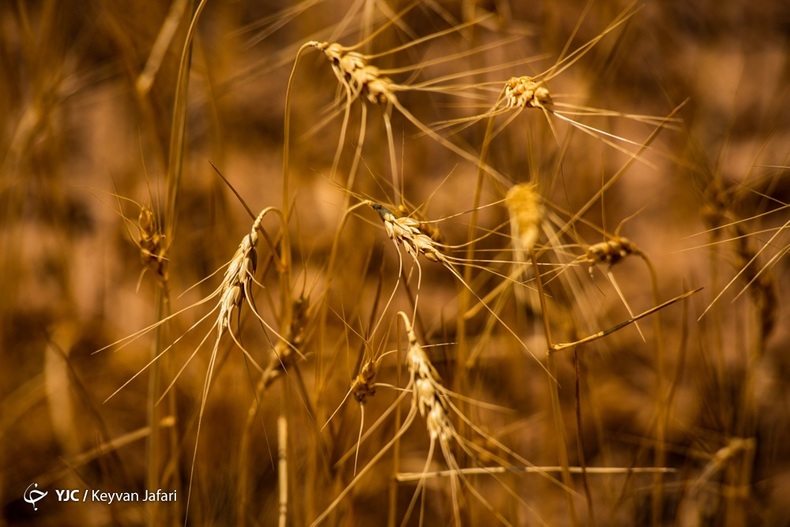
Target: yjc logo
32, 495
68, 495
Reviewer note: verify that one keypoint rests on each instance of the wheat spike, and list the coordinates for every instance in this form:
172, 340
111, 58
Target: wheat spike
526, 214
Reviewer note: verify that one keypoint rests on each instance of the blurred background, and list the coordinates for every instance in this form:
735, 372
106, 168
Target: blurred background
110, 221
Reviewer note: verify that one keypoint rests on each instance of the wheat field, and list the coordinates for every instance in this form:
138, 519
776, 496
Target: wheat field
377, 262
